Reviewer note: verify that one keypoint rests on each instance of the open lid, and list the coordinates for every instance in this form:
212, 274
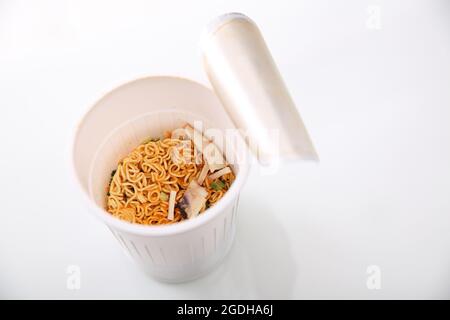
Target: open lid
249, 85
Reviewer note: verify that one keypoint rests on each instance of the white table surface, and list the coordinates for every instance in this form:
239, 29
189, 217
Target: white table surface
376, 102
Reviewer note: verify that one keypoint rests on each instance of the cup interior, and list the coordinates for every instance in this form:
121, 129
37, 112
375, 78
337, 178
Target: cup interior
144, 108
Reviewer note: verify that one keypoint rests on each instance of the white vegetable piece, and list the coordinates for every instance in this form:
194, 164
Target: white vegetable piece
203, 174
211, 153
213, 156
200, 141
172, 197
219, 173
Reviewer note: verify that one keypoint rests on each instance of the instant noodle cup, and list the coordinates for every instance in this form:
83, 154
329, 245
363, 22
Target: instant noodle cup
234, 115
119, 122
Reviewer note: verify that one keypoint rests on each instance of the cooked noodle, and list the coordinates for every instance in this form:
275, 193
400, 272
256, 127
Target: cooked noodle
140, 187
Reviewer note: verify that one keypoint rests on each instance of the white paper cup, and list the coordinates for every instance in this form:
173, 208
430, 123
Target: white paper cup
119, 122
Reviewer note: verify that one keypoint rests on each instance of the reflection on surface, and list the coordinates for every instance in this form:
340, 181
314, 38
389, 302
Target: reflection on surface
260, 264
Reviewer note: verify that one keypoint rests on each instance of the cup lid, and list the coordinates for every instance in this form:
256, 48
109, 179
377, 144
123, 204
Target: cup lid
246, 80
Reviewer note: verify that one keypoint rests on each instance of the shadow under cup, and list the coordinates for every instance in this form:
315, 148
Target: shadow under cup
118, 123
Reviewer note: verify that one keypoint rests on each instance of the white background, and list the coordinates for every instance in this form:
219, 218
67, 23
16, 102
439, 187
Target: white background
376, 103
